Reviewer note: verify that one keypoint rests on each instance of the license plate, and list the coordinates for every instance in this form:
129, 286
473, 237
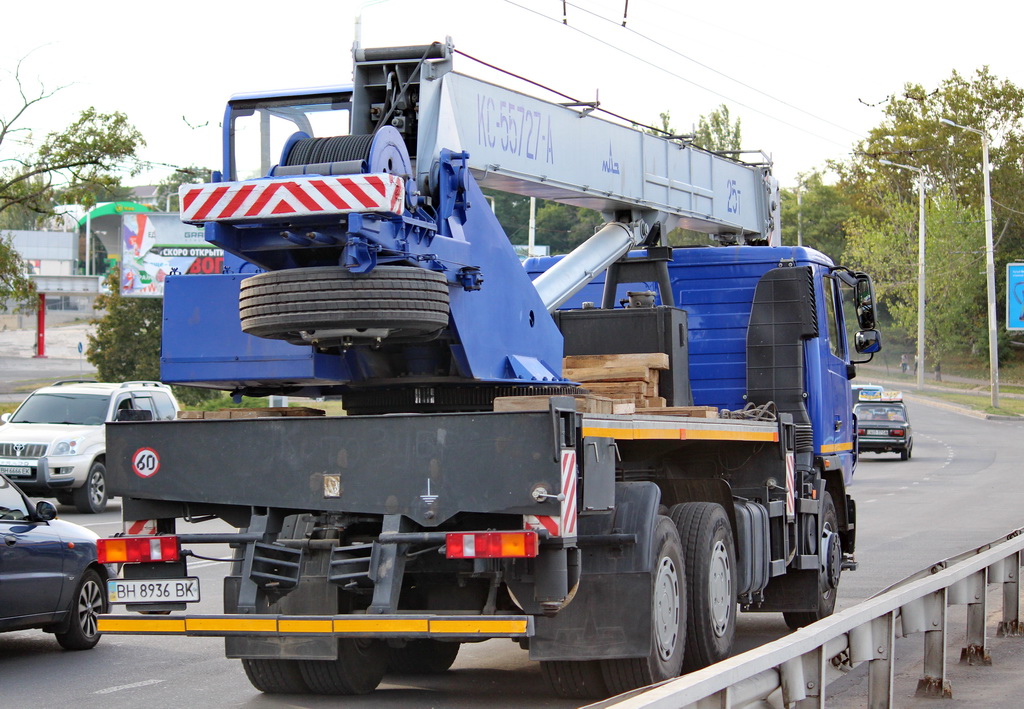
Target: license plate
877, 432
184, 590
15, 472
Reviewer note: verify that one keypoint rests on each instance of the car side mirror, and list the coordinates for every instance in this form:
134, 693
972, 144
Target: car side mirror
45, 511
4, 418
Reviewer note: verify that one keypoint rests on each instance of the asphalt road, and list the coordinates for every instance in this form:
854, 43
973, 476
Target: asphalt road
960, 490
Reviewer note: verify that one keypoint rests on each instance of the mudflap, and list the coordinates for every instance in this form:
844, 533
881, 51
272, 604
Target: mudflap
610, 615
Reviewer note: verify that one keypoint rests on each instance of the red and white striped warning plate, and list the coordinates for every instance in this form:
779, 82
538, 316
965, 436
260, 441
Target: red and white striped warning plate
290, 197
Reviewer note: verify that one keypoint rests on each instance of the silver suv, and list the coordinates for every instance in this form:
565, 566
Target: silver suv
54, 444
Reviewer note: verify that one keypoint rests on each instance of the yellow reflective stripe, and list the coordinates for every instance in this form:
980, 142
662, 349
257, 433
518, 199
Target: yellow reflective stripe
231, 625
658, 434
465, 627
321, 625
704, 435
837, 447
622, 434
382, 625
140, 625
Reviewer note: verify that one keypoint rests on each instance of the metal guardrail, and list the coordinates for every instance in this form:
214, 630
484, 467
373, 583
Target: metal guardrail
803, 663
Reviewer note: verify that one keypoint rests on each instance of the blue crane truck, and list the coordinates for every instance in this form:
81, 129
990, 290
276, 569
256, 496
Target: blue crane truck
476, 489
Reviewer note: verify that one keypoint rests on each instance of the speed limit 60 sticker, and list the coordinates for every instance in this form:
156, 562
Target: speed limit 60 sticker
145, 462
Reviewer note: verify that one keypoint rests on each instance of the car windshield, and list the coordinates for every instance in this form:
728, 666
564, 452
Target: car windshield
881, 413
77, 409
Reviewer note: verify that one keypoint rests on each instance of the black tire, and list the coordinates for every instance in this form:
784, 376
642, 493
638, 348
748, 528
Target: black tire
575, 679
422, 657
275, 676
295, 304
710, 556
828, 575
358, 670
668, 618
91, 498
89, 601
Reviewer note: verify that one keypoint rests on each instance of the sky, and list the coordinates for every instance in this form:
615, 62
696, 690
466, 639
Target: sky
807, 79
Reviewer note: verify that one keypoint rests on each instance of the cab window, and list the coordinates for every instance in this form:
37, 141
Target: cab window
835, 344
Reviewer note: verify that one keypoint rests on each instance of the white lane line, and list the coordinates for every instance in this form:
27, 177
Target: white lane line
133, 685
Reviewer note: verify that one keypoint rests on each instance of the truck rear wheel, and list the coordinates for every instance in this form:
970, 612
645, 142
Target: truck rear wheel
668, 618
575, 679
358, 670
328, 305
422, 657
275, 676
828, 574
710, 556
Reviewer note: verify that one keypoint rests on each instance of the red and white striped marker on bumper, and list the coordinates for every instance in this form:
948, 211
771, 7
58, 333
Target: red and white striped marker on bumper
290, 197
565, 524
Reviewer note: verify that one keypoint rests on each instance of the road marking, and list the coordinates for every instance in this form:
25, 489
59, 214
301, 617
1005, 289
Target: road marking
133, 685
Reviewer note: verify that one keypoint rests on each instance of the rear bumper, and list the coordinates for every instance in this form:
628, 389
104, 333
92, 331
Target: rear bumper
881, 445
348, 626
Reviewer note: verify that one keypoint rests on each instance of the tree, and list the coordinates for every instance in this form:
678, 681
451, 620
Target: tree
912, 133
717, 133
167, 189
819, 212
79, 159
126, 344
955, 259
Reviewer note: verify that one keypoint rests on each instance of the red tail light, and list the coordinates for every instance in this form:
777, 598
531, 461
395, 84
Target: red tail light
490, 545
897, 432
120, 550
862, 432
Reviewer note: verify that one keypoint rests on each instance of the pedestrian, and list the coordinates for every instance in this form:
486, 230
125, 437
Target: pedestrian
903, 362
915, 365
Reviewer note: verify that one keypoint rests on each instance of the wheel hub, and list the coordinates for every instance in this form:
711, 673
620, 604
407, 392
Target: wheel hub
666, 608
720, 589
831, 558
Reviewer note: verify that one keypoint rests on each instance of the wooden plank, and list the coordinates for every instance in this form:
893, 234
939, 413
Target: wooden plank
705, 412
588, 404
610, 374
652, 360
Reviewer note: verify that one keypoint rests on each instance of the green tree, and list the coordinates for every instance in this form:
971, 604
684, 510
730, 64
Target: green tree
84, 157
818, 212
167, 189
126, 343
911, 133
716, 132
954, 264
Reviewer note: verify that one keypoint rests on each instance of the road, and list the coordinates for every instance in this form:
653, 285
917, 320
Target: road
961, 489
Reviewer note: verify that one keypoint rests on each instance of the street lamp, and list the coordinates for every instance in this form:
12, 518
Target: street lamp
990, 266
920, 267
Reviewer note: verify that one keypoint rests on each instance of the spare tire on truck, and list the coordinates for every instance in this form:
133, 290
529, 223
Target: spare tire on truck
328, 306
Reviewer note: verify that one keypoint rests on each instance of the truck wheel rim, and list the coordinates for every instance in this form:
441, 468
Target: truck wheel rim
666, 608
720, 589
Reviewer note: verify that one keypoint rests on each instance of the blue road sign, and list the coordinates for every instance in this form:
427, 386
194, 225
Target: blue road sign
1015, 296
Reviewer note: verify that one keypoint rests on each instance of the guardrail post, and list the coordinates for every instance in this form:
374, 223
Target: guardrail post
1010, 624
815, 665
934, 682
973, 587
882, 665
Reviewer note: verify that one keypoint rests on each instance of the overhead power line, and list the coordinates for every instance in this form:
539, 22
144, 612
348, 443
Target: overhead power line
654, 65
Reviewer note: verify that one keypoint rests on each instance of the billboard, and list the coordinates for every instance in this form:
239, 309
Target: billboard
154, 246
1015, 296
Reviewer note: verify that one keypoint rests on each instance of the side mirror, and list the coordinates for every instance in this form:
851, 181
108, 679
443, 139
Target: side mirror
864, 292
45, 511
866, 342
4, 418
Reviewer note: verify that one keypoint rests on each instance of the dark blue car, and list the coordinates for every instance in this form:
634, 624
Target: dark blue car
49, 576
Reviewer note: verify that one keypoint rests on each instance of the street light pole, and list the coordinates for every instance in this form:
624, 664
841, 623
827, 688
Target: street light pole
920, 266
990, 266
